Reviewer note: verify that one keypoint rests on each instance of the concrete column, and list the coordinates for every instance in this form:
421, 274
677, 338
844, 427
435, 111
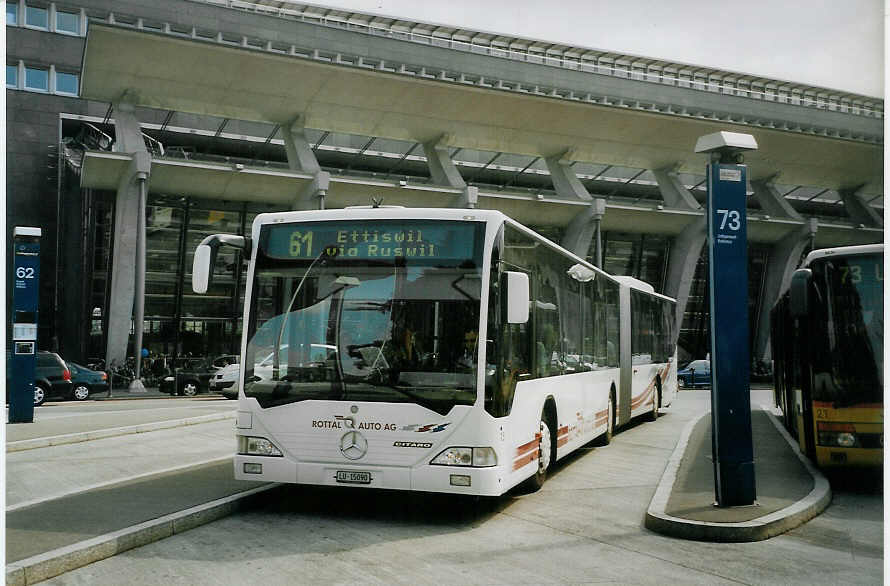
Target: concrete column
582, 230
565, 182
585, 226
300, 157
685, 252
128, 139
783, 260
772, 202
673, 192
859, 211
443, 171
687, 246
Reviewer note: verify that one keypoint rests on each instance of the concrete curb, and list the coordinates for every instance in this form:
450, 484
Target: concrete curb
52, 563
73, 438
755, 530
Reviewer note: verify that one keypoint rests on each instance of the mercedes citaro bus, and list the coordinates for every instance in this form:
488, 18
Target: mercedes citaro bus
445, 350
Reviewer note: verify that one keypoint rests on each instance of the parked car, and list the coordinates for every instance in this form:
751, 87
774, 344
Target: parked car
224, 360
695, 374
225, 380
52, 377
189, 378
86, 381
192, 376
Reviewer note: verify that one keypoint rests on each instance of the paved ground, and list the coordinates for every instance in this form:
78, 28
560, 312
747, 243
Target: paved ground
585, 526
61, 418
44, 473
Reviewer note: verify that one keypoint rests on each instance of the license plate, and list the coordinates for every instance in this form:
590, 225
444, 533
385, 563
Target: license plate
350, 477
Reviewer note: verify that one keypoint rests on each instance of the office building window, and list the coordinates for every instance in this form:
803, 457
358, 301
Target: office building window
36, 79
67, 22
12, 13
12, 76
36, 17
66, 83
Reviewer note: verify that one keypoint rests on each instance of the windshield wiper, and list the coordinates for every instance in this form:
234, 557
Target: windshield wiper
416, 398
323, 255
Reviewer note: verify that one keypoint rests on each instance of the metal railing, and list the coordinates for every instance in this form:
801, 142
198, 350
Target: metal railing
624, 66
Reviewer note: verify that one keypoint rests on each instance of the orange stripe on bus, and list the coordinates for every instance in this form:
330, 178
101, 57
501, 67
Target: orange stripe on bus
525, 460
641, 398
527, 446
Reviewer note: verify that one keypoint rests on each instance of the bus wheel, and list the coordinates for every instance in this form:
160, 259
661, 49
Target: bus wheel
606, 438
545, 455
653, 415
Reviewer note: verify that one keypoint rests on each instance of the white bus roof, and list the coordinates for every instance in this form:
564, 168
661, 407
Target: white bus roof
372, 213
842, 251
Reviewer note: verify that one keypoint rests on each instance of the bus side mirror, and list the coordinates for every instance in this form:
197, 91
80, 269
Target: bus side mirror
205, 257
800, 293
202, 267
517, 297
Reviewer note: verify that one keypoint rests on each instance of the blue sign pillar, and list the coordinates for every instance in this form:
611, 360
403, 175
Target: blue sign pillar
26, 280
732, 444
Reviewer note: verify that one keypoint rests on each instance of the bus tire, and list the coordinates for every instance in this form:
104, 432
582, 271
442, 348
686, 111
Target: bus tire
606, 438
656, 399
546, 452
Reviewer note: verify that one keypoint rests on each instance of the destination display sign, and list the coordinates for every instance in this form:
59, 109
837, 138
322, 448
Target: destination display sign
372, 240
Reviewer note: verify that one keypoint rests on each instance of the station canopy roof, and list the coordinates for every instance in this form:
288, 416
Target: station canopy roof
235, 83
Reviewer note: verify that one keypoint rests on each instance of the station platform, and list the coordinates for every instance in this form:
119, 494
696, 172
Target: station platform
789, 490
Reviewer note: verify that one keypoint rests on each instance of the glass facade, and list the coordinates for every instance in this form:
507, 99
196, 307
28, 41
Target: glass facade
178, 323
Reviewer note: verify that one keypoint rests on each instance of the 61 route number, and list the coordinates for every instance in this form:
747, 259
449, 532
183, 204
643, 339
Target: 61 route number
24, 272
730, 217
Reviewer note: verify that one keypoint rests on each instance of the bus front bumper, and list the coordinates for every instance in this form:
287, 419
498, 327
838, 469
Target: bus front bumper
449, 479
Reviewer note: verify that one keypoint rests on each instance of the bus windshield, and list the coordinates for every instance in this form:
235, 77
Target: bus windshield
848, 364
366, 311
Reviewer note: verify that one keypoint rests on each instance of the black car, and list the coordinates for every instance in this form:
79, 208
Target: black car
190, 377
86, 381
52, 377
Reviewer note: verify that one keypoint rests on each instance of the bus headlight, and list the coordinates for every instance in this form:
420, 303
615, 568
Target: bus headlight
464, 456
842, 435
256, 446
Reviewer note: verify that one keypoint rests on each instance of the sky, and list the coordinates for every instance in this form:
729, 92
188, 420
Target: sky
836, 44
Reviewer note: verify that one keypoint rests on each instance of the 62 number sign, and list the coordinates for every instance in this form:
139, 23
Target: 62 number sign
24, 272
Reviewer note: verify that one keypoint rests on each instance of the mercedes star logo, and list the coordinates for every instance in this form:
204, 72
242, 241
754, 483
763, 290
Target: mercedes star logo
353, 445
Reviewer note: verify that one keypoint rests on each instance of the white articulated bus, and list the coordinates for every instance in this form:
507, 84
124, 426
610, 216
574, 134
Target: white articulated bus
445, 350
